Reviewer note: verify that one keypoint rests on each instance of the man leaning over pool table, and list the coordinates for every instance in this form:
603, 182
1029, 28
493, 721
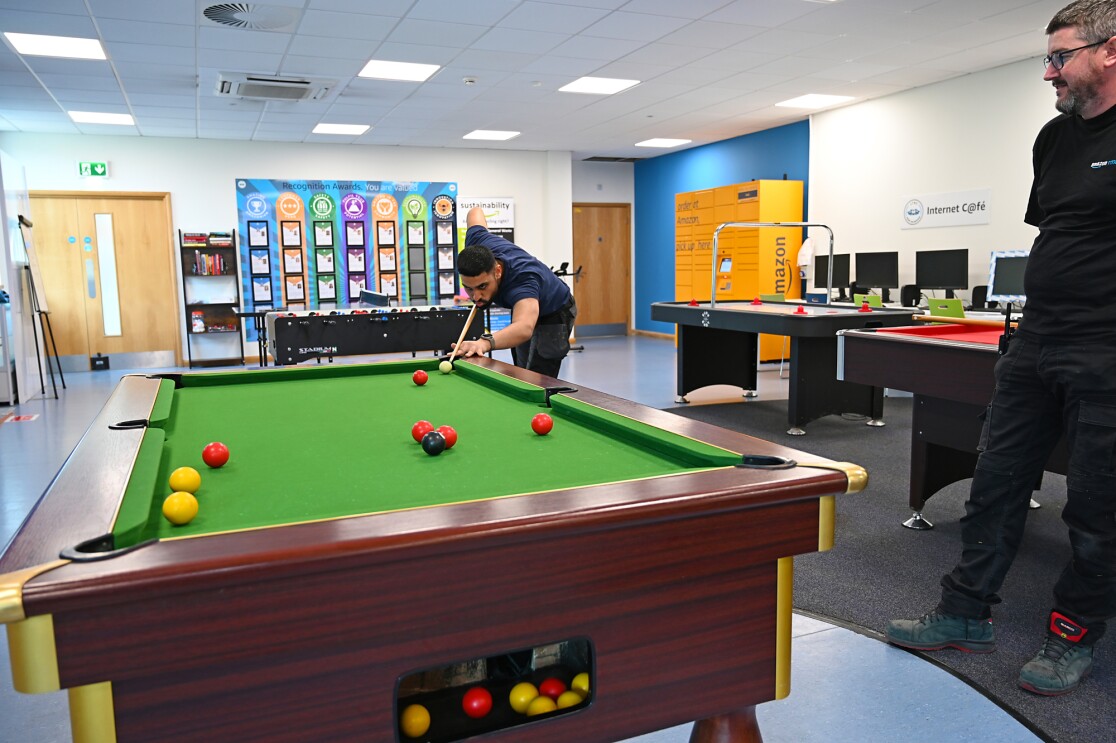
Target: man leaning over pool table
495, 271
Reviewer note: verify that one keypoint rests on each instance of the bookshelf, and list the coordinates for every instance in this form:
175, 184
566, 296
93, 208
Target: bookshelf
211, 298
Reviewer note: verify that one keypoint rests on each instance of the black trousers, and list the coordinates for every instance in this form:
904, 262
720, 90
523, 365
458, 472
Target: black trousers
549, 344
1043, 390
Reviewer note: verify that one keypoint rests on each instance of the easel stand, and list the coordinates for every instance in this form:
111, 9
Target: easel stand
48, 334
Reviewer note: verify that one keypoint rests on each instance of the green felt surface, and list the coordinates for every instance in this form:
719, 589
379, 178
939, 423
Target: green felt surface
311, 443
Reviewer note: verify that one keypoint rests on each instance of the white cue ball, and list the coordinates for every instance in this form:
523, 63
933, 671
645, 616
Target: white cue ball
445, 367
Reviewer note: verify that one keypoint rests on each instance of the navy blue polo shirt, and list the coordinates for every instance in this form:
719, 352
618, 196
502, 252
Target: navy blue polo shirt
524, 275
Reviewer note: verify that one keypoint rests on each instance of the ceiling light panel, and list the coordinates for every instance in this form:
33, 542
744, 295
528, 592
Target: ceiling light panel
663, 142
69, 47
598, 85
814, 100
493, 135
380, 69
353, 130
95, 117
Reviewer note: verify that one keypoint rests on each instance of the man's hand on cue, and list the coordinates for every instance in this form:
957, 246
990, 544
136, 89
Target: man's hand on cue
465, 349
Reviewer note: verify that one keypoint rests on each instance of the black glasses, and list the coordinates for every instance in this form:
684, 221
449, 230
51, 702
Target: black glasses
1058, 59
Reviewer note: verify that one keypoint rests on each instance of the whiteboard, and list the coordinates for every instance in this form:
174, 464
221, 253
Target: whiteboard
33, 260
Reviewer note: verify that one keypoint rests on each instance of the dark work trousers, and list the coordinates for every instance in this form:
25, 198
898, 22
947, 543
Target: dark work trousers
549, 344
1043, 390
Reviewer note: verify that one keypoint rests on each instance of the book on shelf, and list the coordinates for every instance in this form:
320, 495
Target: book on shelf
209, 264
221, 239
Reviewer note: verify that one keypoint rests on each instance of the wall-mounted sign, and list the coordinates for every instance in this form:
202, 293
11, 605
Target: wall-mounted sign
955, 209
93, 169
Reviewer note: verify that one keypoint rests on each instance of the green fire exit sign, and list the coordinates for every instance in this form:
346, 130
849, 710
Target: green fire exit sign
95, 169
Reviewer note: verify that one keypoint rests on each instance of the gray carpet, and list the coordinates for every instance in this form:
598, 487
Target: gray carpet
879, 570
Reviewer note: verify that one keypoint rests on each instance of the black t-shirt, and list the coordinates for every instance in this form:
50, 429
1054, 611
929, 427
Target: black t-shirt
1071, 274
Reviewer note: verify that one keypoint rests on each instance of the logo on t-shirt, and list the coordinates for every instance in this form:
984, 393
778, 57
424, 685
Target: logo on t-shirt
1102, 163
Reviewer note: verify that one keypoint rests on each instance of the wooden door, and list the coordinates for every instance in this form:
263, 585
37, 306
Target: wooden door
55, 223
81, 236
602, 260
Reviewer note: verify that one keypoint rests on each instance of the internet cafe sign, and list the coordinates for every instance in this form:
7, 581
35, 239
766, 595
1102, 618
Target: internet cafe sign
956, 209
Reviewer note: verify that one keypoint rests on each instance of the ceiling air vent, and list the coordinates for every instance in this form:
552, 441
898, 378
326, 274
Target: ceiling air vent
270, 88
252, 16
605, 159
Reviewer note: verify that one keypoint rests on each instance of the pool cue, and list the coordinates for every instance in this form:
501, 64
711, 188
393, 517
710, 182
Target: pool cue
464, 330
962, 321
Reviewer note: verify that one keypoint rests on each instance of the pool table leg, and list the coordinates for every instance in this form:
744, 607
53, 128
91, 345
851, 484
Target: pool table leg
735, 727
708, 356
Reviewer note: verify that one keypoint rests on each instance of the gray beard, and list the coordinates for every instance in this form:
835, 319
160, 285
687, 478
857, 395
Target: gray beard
1075, 102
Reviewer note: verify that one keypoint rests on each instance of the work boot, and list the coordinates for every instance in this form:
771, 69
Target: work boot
1062, 663
937, 631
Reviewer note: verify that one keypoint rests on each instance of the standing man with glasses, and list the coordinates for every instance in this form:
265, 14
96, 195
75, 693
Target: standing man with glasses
1057, 377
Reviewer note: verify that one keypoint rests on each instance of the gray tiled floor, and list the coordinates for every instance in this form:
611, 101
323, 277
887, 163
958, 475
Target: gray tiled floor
846, 686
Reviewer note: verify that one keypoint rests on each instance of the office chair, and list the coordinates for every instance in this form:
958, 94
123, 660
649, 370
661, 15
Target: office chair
980, 299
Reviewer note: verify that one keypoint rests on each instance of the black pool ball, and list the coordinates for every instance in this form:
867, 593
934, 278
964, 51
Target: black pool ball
433, 443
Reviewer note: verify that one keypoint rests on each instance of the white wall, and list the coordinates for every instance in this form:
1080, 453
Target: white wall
970, 133
604, 183
200, 175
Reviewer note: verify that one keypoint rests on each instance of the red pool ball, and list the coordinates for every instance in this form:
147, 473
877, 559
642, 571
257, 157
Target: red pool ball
552, 688
449, 433
215, 454
420, 377
477, 702
420, 429
542, 424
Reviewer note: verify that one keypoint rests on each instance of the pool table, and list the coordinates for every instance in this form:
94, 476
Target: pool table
332, 557
950, 369
719, 345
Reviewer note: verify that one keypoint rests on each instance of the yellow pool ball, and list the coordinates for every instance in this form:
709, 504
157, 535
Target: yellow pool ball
445, 367
580, 684
185, 480
414, 721
540, 705
521, 695
180, 508
569, 698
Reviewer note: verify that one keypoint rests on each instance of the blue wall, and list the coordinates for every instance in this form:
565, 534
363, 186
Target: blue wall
766, 155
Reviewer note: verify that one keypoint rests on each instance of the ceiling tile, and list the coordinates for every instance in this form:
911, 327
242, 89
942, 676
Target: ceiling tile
346, 25
635, 26
533, 16
141, 32
242, 40
483, 12
54, 24
708, 67
183, 12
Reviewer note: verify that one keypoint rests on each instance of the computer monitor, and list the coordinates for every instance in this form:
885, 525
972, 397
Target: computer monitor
1005, 276
942, 269
840, 272
878, 271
